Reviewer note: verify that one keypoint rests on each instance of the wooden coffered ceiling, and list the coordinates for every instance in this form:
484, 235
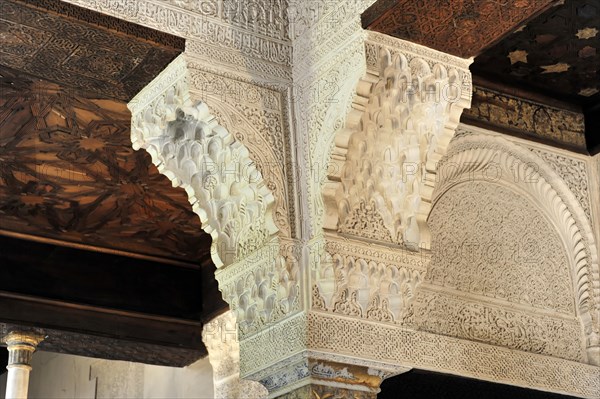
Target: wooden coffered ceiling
81, 49
543, 52
459, 27
96, 247
68, 172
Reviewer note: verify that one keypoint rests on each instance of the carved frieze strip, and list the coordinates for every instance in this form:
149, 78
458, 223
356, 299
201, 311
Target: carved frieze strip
443, 313
209, 30
264, 17
408, 348
500, 111
312, 20
497, 302
367, 280
373, 251
278, 341
395, 45
237, 63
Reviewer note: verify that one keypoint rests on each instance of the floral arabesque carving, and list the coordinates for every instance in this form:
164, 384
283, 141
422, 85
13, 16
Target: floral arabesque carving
189, 146
372, 282
383, 165
263, 287
485, 156
471, 319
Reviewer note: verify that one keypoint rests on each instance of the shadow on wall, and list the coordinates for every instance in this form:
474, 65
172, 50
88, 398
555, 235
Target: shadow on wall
66, 376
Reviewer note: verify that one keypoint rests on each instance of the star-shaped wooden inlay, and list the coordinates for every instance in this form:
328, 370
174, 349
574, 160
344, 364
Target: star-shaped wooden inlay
587, 33
556, 68
517, 56
588, 92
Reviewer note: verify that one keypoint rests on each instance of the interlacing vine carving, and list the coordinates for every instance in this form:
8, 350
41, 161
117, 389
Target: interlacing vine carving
491, 159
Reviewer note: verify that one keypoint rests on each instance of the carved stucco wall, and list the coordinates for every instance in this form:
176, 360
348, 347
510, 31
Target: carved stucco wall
284, 93
383, 164
499, 273
515, 259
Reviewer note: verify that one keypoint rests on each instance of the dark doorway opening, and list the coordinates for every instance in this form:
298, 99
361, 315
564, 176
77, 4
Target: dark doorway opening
420, 384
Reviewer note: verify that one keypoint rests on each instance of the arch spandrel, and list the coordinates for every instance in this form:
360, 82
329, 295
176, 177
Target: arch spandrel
480, 159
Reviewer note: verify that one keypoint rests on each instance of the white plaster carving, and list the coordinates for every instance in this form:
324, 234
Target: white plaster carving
480, 156
450, 313
573, 172
189, 146
227, 192
401, 346
220, 337
368, 280
263, 287
481, 247
384, 160
254, 116
306, 60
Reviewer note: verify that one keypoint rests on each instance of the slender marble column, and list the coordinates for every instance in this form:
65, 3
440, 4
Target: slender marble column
20, 347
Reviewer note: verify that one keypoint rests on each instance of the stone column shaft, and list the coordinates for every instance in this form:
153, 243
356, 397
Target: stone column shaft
20, 351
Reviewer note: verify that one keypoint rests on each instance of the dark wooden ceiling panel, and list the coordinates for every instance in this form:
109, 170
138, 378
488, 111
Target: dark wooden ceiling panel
557, 53
459, 27
68, 172
82, 49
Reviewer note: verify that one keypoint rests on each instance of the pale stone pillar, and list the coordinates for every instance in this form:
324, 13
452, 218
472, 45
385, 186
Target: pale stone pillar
20, 347
220, 338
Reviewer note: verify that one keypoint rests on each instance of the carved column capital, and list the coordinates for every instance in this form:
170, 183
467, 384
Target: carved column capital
21, 345
310, 373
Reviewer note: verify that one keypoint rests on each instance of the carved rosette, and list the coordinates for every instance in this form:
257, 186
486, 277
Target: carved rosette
383, 166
